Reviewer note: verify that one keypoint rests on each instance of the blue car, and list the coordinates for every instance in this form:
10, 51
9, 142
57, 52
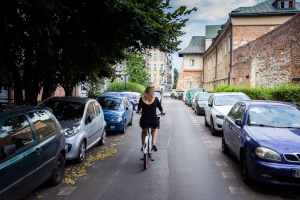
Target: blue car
265, 137
123, 94
118, 112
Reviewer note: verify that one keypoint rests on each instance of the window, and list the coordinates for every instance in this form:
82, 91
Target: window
150, 56
154, 67
97, 108
192, 62
154, 56
286, 4
15, 132
162, 56
43, 123
90, 113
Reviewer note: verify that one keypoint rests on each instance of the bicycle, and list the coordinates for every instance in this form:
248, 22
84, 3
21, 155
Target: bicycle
147, 147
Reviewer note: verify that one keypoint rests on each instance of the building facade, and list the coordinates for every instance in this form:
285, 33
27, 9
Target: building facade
244, 25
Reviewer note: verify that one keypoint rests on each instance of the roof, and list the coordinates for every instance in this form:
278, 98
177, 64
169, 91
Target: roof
196, 46
269, 7
211, 31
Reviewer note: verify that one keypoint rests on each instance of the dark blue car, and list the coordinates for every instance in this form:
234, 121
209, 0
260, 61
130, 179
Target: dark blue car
265, 137
118, 112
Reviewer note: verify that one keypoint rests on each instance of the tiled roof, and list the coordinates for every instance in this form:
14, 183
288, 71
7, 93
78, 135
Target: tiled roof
269, 7
196, 46
211, 31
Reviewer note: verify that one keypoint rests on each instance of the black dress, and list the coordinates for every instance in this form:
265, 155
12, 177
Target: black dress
149, 116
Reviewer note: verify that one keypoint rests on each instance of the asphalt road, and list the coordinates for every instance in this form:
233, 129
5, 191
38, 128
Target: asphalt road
189, 165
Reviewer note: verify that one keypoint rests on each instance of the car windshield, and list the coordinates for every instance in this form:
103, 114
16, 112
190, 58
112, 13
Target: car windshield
274, 116
66, 110
203, 97
111, 103
226, 100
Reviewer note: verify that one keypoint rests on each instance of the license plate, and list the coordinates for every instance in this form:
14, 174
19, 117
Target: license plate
296, 173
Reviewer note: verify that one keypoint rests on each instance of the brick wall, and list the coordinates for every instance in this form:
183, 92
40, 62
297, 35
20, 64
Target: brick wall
189, 78
271, 59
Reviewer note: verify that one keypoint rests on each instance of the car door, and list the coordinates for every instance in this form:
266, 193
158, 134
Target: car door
99, 118
237, 130
92, 126
24, 163
208, 109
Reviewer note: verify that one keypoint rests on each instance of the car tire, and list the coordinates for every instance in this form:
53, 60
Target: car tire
58, 170
225, 148
124, 128
81, 153
244, 169
103, 138
212, 127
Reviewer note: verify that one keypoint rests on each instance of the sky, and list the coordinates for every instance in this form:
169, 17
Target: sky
210, 12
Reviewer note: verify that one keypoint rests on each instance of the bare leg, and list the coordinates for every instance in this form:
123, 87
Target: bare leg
154, 135
144, 133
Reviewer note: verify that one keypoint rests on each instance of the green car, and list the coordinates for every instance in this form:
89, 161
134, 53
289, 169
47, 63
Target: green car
32, 150
190, 94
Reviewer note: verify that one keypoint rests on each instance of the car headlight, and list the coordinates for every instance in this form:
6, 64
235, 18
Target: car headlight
116, 119
267, 154
72, 131
220, 116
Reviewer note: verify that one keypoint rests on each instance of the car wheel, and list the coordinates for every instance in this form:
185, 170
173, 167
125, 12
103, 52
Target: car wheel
81, 153
225, 149
212, 127
103, 138
124, 128
58, 170
244, 168
205, 121
130, 123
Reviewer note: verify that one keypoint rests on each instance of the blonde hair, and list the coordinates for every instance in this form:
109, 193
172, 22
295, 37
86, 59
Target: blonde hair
148, 94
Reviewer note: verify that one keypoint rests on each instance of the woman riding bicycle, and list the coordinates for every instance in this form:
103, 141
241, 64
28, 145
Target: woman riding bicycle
148, 104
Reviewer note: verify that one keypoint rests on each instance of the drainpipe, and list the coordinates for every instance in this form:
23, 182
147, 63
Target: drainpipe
231, 53
216, 67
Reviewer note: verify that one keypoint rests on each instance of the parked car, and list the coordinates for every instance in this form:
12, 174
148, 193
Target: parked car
118, 112
167, 94
158, 95
265, 137
199, 102
124, 94
135, 96
190, 94
218, 106
33, 150
83, 121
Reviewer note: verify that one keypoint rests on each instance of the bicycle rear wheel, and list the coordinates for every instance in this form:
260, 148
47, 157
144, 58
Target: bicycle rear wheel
146, 161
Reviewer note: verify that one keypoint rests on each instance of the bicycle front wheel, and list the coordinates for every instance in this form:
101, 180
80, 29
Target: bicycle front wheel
146, 161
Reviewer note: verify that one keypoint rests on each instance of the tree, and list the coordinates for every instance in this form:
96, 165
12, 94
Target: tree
50, 43
135, 69
175, 78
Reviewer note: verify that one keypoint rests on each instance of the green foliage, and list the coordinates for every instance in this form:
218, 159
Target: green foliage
176, 75
135, 68
130, 87
287, 93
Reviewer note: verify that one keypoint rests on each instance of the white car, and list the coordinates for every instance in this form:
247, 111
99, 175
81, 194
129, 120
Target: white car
218, 106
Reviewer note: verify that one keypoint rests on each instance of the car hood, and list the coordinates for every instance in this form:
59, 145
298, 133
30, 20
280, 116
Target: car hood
283, 139
112, 113
66, 124
223, 109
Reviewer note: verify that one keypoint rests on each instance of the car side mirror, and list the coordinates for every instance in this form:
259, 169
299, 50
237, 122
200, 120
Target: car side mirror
209, 104
238, 122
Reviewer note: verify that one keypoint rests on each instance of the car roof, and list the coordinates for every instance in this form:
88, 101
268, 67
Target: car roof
70, 98
227, 93
269, 102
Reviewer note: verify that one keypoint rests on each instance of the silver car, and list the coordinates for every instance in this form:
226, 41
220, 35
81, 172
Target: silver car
218, 106
83, 122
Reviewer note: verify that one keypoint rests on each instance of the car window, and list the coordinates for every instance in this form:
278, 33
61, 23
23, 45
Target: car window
97, 108
15, 134
43, 123
224, 100
203, 97
90, 111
